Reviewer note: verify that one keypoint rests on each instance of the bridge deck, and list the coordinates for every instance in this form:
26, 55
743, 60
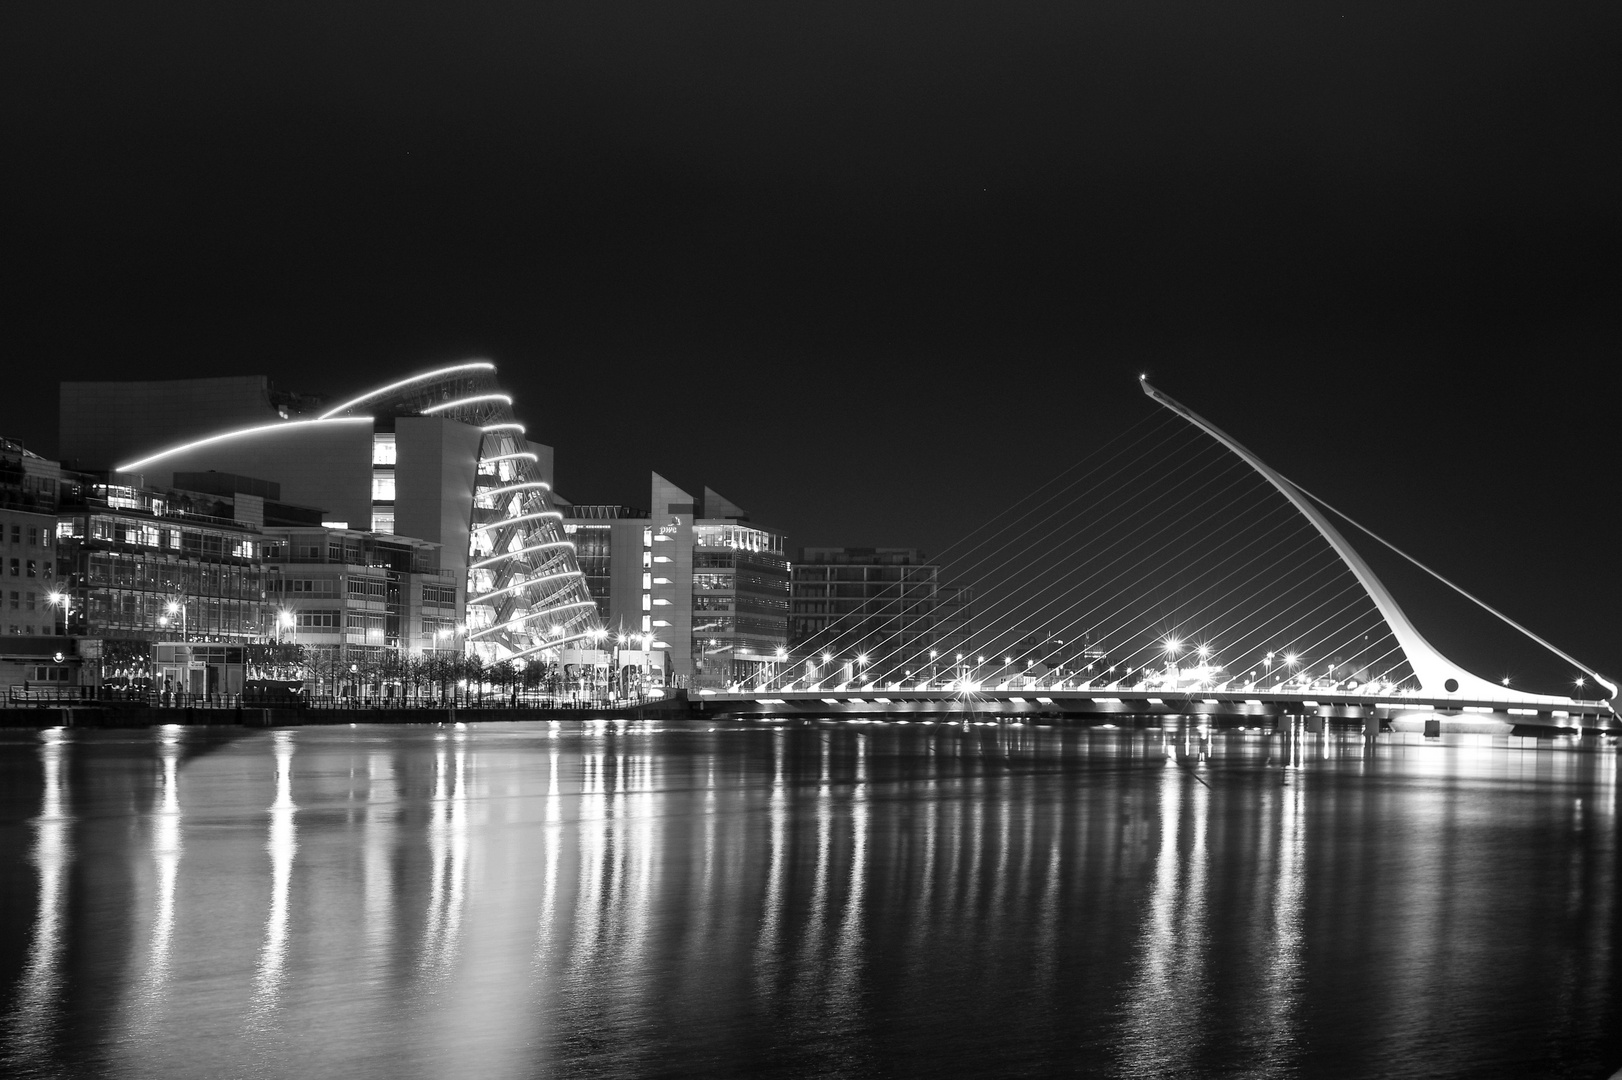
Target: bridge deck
1096, 703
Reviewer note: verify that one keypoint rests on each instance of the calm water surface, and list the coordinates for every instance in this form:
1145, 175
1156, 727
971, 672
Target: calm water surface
623, 900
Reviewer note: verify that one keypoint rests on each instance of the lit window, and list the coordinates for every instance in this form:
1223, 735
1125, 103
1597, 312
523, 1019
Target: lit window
383, 448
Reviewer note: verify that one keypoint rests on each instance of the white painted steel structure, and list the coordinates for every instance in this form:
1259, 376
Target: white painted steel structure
1439, 678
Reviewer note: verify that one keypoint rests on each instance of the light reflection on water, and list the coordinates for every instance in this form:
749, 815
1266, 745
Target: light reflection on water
624, 900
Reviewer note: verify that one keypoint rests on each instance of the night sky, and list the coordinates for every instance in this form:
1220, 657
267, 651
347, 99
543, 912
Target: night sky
873, 271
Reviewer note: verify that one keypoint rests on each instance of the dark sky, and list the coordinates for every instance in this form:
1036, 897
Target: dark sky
872, 270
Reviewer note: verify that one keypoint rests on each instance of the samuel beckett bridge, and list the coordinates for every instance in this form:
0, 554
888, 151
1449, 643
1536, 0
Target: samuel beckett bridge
1211, 586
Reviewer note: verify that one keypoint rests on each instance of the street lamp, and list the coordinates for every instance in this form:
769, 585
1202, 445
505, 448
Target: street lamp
596, 634
174, 607
57, 598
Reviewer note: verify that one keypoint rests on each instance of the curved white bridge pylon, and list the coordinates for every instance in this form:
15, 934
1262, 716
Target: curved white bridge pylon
1438, 676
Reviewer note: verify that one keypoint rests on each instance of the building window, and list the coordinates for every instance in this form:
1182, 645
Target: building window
384, 448
33, 570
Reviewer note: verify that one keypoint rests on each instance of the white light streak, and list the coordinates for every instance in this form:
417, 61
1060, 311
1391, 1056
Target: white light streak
526, 583
459, 402
516, 487
519, 428
548, 546
509, 457
476, 365
258, 429
532, 614
553, 644
522, 517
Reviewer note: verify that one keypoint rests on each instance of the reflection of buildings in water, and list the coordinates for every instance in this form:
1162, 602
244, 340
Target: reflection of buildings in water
768, 965
592, 833
816, 924
165, 825
283, 845
546, 929
924, 916
1167, 1000
31, 1024
844, 996
448, 848
380, 837
636, 817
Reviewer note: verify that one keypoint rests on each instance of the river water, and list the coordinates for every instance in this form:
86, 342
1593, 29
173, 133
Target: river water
811, 899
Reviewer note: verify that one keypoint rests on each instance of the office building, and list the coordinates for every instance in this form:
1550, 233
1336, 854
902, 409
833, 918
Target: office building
351, 597
437, 456
874, 614
148, 565
608, 544
716, 594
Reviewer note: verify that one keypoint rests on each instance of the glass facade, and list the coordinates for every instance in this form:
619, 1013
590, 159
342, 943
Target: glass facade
151, 577
740, 601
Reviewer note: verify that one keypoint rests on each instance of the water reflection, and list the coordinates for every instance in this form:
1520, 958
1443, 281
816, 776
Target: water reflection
282, 845
1162, 1032
853, 900
448, 850
31, 1025
151, 983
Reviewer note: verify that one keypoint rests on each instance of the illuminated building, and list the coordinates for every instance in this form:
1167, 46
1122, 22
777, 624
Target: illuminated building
437, 456
28, 496
708, 587
151, 565
349, 597
608, 543
716, 591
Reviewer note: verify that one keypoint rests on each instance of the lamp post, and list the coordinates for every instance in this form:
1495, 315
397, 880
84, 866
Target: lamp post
58, 599
175, 607
596, 636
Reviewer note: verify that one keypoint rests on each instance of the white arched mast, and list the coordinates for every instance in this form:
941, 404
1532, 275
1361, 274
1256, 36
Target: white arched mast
1431, 668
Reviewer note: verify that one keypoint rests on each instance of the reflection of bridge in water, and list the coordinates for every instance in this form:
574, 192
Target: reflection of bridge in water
1433, 691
